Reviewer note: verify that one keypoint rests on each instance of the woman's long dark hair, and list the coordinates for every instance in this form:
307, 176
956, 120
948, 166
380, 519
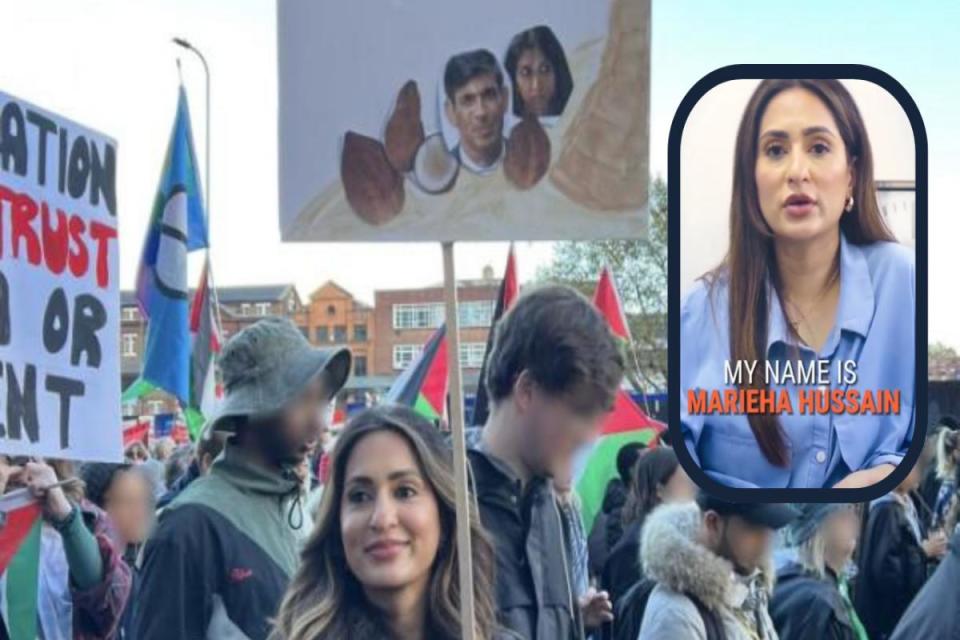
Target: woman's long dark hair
540, 37
325, 601
653, 469
750, 262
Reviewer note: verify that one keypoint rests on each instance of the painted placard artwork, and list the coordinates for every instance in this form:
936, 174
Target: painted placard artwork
435, 123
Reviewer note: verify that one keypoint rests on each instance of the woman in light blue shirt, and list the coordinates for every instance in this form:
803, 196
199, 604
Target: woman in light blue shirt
812, 273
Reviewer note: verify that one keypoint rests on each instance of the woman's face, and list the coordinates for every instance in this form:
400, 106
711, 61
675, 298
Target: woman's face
129, 504
536, 81
803, 174
678, 488
840, 531
389, 516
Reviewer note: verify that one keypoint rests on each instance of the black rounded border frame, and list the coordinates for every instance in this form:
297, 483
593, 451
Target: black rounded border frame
818, 71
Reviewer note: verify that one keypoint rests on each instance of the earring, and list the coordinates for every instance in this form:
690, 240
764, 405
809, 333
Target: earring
848, 207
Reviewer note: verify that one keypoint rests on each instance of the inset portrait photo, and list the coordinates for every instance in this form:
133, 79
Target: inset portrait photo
798, 285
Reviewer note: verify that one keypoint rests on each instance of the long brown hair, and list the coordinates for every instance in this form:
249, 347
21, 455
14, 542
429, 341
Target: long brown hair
750, 262
653, 470
325, 601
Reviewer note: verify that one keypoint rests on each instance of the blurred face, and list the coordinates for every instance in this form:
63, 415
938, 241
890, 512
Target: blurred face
536, 81
477, 112
389, 516
840, 532
679, 488
745, 545
295, 436
553, 430
129, 504
803, 173
136, 453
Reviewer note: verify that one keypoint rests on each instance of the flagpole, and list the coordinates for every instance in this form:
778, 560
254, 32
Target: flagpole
181, 42
464, 553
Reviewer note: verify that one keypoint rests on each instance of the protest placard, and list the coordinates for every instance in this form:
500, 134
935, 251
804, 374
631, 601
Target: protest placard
59, 301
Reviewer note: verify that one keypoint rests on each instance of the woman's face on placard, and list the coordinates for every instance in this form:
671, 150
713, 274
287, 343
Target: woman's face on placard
803, 174
536, 81
389, 516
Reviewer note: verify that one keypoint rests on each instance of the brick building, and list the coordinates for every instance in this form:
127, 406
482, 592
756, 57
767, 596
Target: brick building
405, 319
333, 316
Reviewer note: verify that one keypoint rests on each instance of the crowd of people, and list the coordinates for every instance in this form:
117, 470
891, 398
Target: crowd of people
241, 535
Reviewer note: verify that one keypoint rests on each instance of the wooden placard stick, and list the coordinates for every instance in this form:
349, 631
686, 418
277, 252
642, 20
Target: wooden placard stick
467, 618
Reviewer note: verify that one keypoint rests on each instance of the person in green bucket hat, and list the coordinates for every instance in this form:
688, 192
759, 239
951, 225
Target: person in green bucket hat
224, 550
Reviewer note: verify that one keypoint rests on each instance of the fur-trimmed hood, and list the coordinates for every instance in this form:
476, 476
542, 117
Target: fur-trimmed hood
671, 555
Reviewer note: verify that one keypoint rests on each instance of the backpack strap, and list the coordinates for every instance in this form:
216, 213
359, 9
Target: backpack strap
711, 620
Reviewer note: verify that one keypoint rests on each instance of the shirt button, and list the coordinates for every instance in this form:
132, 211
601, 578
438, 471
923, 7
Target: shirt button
821, 456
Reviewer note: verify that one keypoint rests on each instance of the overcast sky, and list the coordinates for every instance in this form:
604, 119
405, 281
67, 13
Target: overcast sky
109, 64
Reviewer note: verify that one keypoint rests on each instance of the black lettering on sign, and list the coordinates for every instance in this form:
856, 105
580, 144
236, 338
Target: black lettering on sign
22, 404
4, 311
89, 316
56, 322
66, 388
103, 177
13, 139
79, 167
44, 127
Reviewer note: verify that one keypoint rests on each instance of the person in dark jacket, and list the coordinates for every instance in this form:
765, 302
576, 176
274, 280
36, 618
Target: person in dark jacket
225, 549
608, 525
208, 447
657, 478
811, 598
892, 566
552, 377
935, 612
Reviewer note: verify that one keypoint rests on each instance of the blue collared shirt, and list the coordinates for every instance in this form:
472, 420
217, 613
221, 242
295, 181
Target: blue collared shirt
874, 326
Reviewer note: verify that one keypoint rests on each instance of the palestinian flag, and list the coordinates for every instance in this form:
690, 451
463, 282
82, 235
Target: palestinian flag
509, 290
423, 384
204, 392
626, 423
20, 563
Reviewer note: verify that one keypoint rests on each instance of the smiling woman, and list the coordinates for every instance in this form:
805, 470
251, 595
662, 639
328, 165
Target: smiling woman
812, 273
382, 559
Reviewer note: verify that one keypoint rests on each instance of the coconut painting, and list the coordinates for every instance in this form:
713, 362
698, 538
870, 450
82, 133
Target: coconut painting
429, 124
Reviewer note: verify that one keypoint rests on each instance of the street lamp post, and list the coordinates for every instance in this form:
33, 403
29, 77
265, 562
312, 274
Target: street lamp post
182, 42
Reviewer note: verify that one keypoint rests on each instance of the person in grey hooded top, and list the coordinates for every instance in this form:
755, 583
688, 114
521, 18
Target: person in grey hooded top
711, 563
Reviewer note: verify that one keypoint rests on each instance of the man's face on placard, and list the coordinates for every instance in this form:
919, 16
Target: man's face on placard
476, 110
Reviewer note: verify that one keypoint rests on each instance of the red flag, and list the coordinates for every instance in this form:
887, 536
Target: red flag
607, 300
509, 290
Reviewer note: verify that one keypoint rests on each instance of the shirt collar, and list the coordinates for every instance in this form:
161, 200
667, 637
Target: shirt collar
856, 304
477, 168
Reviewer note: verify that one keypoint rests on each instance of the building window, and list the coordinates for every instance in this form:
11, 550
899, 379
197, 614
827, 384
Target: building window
360, 366
340, 334
476, 313
404, 354
471, 354
130, 314
130, 345
291, 304
246, 309
154, 407
331, 310
322, 334
417, 316
359, 333
263, 308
